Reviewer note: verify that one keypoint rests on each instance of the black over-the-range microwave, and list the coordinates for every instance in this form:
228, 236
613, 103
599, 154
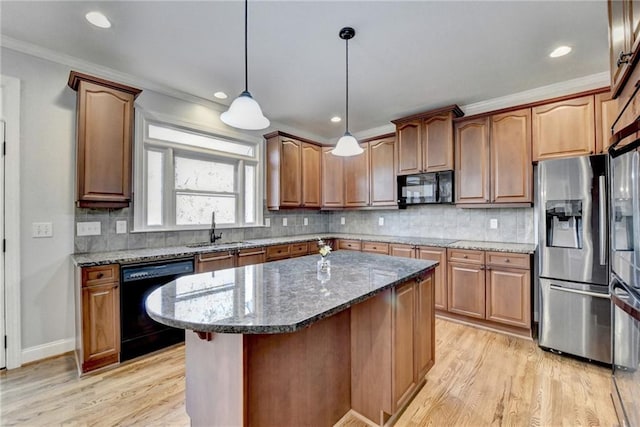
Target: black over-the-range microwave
425, 188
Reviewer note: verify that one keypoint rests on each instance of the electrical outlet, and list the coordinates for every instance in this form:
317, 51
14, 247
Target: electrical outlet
381, 221
121, 227
88, 229
493, 223
284, 222
342, 221
305, 221
267, 222
41, 229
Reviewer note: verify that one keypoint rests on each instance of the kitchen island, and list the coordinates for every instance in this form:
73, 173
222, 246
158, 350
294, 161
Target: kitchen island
284, 343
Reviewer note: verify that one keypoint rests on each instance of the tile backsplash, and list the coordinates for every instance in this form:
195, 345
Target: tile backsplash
449, 222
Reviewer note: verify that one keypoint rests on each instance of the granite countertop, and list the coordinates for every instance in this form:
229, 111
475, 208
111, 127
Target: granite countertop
278, 297
154, 254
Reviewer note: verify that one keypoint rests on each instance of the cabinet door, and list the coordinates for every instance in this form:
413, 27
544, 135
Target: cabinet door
100, 325
332, 179
383, 172
214, 261
425, 327
408, 142
606, 113
290, 173
403, 331
618, 43
105, 123
564, 129
311, 182
472, 161
405, 251
509, 296
437, 143
440, 273
511, 167
375, 248
349, 245
356, 179
251, 257
466, 289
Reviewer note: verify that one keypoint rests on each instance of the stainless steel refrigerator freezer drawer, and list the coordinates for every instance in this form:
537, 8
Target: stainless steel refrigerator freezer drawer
575, 319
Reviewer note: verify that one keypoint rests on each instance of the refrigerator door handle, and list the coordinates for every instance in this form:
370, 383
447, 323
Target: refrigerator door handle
576, 291
602, 191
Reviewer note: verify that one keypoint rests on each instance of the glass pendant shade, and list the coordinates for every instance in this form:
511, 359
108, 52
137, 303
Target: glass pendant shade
347, 146
245, 113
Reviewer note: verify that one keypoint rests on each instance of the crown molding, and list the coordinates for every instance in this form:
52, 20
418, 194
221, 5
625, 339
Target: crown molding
104, 72
568, 87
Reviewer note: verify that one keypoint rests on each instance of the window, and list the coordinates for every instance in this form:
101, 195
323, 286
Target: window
184, 174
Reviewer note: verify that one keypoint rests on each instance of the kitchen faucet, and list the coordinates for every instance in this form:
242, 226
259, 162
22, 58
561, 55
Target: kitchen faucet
213, 236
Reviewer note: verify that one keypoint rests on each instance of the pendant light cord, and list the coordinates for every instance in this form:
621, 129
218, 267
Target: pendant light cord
347, 90
246, 60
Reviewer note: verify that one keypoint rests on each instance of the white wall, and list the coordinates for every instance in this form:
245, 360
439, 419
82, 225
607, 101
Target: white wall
47, 112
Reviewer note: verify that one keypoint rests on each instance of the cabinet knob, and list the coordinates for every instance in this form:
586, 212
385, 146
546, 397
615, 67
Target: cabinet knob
465, 256
623, 58
507, 260
100, 275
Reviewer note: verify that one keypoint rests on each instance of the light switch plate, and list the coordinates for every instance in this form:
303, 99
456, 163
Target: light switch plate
342, 221
88, 228
121, 227
493, 223
267, 222
381, 221
284, 222
41, 229
305, 221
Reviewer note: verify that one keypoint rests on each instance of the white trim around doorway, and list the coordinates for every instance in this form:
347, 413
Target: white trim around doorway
11, 113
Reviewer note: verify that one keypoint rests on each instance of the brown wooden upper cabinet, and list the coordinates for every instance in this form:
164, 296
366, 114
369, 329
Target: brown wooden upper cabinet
624, 39
564, 128
293, 172
367, 179
493, 159
105, 128
606, 113
424, 142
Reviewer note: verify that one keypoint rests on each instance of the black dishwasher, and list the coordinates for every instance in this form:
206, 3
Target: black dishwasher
139, 334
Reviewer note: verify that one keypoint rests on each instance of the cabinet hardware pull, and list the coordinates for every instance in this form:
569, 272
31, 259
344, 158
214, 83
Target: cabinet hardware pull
624, 58
507, 260
465, 256
100, 275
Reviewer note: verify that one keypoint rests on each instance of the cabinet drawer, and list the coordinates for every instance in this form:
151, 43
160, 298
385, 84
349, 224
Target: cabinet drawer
278, 252
353, 245
214, 256
375, 247
465, 255
299, 249
502, 259
100, 274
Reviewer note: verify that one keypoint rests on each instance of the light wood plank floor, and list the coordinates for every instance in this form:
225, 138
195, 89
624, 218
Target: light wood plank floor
480, 378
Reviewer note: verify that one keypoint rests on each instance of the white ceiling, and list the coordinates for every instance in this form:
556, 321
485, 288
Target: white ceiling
407, 56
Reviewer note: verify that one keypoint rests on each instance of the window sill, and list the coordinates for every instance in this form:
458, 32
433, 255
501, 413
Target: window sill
218, 227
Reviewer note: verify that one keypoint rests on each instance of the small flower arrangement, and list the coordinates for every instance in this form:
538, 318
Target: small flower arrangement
324, 248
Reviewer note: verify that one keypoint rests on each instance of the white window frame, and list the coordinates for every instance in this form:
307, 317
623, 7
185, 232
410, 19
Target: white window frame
171, 149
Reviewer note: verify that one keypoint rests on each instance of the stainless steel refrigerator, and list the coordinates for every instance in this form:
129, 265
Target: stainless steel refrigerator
575, 307
625, 281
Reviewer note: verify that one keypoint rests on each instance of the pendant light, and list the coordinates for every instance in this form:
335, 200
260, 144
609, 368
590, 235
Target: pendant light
347, 145
244, 112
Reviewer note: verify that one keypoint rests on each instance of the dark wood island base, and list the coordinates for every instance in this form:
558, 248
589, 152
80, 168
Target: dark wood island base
370, 358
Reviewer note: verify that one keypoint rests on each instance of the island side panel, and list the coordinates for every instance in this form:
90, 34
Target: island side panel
300, 378
214, 380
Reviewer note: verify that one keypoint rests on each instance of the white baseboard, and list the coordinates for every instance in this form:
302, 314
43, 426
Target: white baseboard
43, 351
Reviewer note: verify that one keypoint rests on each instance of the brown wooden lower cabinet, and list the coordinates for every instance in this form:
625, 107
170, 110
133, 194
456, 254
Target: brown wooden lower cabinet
401, 250
214, 261
440, 273
375, 248
299, 249
98, 317
392, 348
251, 256
350, 245
277, 252
497, 291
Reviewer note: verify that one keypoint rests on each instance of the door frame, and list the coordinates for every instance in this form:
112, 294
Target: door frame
11, 116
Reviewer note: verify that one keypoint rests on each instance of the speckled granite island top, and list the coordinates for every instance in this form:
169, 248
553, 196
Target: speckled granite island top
278, 297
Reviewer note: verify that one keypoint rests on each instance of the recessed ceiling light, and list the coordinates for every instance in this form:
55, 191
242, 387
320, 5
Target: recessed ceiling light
560, 51
98, 19
336, 119
220, 95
